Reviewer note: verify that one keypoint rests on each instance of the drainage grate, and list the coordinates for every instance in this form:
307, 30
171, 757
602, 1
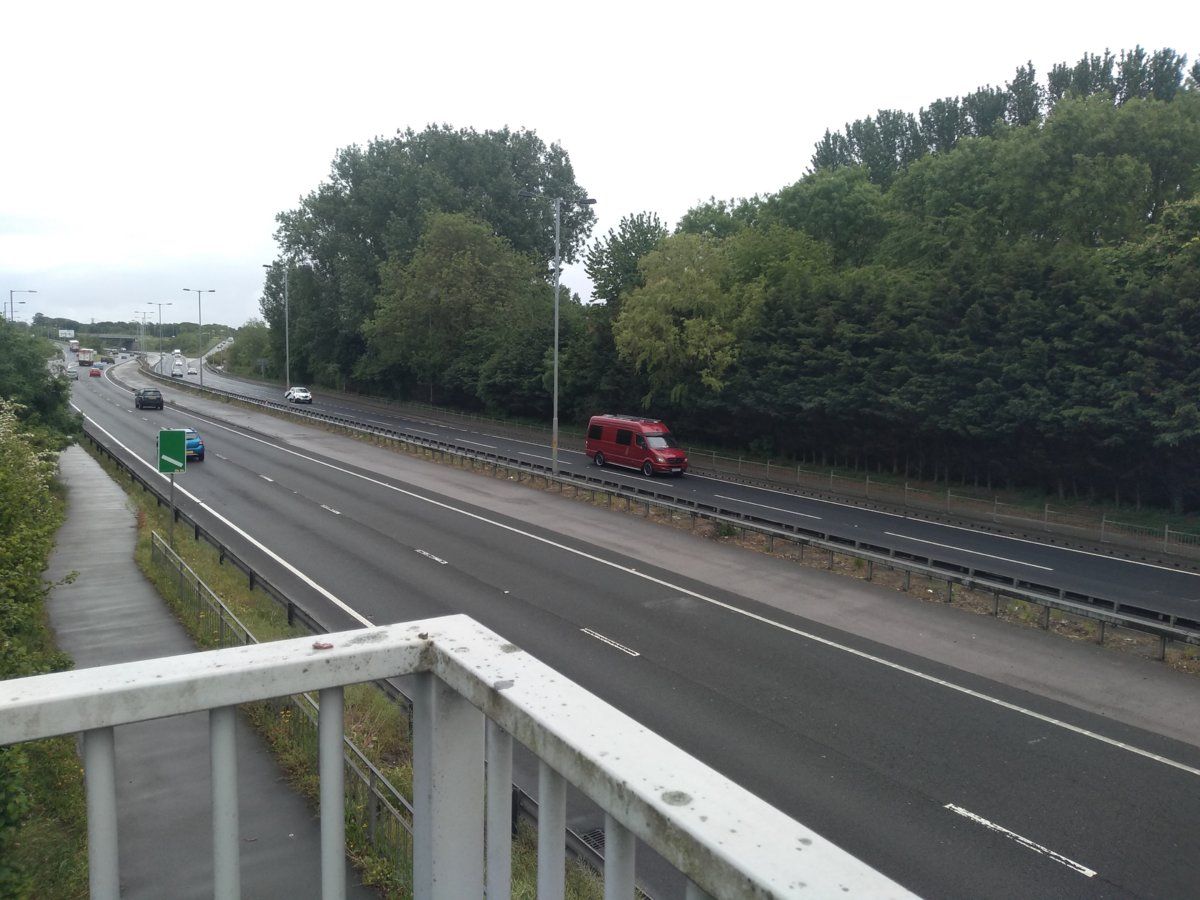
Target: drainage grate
594, 839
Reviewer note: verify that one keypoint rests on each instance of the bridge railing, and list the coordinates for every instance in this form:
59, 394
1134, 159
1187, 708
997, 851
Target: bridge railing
476, 693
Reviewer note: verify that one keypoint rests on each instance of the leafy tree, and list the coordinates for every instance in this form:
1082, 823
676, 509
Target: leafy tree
252, 351
375, 208
1025, 97
678, 327
943, 125
467, 318
841, 207
612, 262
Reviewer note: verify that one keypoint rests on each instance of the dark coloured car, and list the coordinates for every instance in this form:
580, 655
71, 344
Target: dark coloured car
148, 398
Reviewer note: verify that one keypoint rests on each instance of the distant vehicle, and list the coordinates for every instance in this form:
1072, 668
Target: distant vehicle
636, 443
86, 356
73, 374
73, 345
177, 370
191, 370
94, 372
194, 444
297, 395
148, 398
177, 352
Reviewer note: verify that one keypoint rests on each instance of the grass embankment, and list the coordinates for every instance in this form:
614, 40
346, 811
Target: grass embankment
378, 726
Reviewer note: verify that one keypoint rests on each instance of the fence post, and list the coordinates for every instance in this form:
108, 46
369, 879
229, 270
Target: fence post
868, 488
1166, 536
996, 511
947, 499
1046, 518
1103, 522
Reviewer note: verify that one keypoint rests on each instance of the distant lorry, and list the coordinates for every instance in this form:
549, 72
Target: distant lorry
86, 357
73, 345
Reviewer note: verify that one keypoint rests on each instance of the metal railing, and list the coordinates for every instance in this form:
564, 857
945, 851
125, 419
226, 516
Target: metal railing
476, 693
377, 811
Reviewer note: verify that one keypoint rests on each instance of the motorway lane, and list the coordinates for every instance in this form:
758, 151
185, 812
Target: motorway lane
865, 757
1143, 585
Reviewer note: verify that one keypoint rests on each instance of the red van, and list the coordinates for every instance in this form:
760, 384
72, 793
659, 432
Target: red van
644, 444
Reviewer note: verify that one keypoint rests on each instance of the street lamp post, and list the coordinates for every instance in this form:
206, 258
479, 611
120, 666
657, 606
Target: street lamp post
558, 203
12, 311
160, 305
199, 292
287, 350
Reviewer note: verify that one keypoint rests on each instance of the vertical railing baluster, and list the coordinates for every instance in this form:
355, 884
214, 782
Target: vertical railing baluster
222, 735
499, 811
552, 833
100, 771
333, 795
448, 792
619, 852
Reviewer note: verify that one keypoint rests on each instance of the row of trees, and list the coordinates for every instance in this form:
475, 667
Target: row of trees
886, 143
1017, 307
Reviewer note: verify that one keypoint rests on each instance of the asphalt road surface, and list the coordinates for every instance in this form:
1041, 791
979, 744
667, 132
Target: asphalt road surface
951, 782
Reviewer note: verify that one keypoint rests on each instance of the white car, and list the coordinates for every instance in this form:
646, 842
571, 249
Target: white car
191, 370
297, 395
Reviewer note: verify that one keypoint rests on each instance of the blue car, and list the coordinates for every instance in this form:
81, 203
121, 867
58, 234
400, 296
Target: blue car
195, 445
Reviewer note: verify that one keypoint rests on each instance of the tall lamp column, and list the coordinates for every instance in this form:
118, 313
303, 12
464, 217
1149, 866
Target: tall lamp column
199, 292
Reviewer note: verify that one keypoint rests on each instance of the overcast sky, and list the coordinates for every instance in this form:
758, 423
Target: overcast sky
147, 147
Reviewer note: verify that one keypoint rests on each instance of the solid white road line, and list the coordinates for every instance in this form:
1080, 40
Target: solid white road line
790, 512
426, 553
538, 456
1015, 562
1023, 841
817, 639
330, 509
607, 640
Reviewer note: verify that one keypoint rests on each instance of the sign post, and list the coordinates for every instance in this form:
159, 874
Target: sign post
172, 458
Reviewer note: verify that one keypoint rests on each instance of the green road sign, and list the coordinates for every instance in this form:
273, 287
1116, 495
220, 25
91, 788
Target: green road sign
172, 450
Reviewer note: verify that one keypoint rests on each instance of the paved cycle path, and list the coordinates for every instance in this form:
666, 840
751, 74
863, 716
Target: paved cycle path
112, 614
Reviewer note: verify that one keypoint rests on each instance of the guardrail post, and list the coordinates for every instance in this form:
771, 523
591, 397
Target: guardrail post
1045, 618
1100, 636
996, 604
870, 569
1162, 647
372, 807
949, 591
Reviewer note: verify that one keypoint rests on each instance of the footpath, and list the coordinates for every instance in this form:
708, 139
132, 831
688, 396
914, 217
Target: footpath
112, 614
